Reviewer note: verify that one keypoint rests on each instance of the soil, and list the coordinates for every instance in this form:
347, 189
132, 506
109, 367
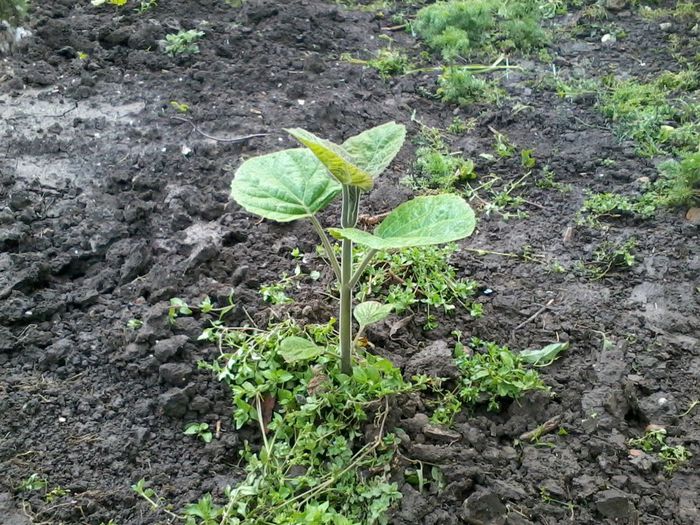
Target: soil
109, 207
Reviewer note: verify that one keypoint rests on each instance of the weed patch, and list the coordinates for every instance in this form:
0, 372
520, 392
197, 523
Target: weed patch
458, 28
661, 116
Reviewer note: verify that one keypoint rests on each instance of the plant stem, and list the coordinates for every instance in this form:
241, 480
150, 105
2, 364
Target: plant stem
346, 308
327, 247
362, 267
351, 204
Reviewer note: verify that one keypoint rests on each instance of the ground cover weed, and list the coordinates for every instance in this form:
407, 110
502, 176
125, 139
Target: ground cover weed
183, 42
658, 115
458, 85
312, 464
12, 10
388, 62
423, 277
457, 28
489, 373
298, 183
607, 257
654, 442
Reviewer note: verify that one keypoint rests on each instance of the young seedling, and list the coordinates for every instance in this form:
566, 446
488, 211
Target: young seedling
299, 183
201, 430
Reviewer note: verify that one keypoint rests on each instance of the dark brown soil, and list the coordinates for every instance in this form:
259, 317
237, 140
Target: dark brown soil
105, 215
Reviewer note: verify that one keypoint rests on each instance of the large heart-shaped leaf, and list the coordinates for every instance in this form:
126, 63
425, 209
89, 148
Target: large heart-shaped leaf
371, 312
423, 221
338, 161
293, 349
374, 149
283, 186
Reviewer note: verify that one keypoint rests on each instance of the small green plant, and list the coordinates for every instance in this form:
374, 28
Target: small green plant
183, 42
200, 430
32, 483
180, 107
547, 181
54, 494
607, 257
458, 126
146, 5
527, 159
502, 144
180, 307
134, 324
458, 85
388, 62
436, 167
492, 372
654, 441
298, 183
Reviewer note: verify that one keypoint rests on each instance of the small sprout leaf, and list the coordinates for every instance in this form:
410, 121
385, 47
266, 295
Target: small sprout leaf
374, 149
293, 349
283, 186
544, 356
371, 312
338, 161
423, 221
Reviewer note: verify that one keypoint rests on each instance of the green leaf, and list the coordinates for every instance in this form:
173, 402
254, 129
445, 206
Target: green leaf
338, 161
374, 149
544, 356
293, 349
423, 221
283, 186
371, 312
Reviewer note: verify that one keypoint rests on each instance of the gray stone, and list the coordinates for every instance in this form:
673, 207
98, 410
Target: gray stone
666, 27
440, 433
167, 348
174, 402
435, 360
615, 5
615, 504
174, 374
484, 506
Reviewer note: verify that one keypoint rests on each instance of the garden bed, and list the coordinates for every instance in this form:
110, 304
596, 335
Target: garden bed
114, 200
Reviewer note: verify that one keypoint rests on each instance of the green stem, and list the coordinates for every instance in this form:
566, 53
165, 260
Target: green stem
361, 269
351, 202
327, 247
346, 308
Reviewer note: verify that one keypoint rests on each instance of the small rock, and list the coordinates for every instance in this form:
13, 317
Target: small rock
174, 402
175, 374
415, 424
616, 505
693, 216
435, 360
167, 348
615, 5
200, 404
442, 434
484, 506
666, 27
608, 39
